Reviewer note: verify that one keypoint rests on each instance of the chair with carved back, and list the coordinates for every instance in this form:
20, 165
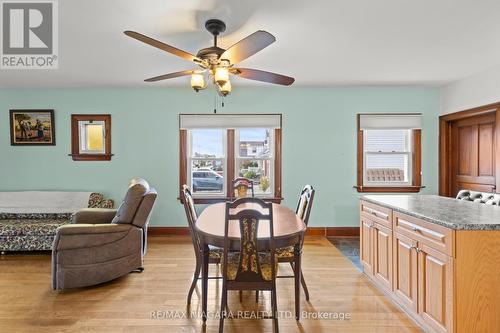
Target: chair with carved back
215, 253
251, 268
303, 211
240, 188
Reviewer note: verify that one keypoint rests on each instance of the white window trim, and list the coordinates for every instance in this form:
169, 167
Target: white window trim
271, 158
82, 133
191, 158
408, 152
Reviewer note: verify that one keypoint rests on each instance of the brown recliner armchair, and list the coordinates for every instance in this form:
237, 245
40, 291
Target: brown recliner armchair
103, 244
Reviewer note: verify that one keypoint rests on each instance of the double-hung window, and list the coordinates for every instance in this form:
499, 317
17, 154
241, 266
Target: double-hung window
216, 149
389, 152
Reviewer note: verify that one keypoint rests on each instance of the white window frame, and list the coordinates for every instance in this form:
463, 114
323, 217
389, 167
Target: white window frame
408, 152
82, 133
271, 158
191, 158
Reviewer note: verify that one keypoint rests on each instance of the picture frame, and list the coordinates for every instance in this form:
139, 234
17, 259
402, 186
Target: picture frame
32, 127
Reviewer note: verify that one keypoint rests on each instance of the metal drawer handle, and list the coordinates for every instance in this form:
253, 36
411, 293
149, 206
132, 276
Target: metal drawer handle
416, 249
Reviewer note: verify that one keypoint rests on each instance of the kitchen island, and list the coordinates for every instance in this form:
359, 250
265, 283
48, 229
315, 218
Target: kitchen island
437, 258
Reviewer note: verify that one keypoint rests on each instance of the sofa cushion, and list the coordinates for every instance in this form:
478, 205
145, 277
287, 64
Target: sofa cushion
26, 243
35, 216
31, 227
96, 200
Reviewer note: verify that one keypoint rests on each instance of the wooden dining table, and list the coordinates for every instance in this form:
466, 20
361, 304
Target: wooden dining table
288, 231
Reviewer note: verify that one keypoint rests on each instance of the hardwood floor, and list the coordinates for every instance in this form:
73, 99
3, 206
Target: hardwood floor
131, 303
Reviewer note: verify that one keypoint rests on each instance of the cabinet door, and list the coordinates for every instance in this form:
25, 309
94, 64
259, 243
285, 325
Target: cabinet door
405, 268
435, 289
382, 255
365, 244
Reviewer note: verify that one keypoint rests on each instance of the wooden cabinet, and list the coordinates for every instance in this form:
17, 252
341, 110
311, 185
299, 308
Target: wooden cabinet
365, 251
405, 271
382, 255
435, 289
445, 279
412, 262
376, 244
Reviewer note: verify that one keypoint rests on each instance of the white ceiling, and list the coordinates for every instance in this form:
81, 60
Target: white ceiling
319, 42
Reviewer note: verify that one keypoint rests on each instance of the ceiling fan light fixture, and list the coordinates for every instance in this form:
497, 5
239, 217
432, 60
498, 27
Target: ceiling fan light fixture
218, 62
221, 75
198, 81
226, 88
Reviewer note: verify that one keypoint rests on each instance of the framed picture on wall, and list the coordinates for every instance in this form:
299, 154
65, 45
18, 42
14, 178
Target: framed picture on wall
32, 128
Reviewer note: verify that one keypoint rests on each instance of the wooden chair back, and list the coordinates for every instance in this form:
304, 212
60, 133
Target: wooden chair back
239, 184
192, 216
249, 266
304, 205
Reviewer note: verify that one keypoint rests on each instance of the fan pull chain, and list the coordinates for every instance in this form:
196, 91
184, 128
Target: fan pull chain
215, 103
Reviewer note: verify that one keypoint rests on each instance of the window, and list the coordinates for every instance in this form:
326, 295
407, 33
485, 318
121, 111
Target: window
389, 153
254, 158
206, 159
91, 137
215, 149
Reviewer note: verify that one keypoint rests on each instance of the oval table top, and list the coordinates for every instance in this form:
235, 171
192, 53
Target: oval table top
288, 227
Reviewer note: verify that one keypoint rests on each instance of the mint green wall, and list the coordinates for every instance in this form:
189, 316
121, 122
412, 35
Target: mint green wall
319, 140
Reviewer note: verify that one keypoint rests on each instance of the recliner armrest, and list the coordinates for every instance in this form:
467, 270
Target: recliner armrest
69, 229
71, 236
93, 216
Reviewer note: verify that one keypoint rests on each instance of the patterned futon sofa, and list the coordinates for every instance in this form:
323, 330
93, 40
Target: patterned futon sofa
36, 231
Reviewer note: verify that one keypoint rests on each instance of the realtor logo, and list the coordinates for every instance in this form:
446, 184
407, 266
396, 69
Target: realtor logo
29, 34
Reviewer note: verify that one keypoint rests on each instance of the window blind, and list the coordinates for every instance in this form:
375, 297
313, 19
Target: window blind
385, 140
191, 121
390, 121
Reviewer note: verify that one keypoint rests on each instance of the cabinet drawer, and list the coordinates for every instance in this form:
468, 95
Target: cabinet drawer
430, 234
376, 213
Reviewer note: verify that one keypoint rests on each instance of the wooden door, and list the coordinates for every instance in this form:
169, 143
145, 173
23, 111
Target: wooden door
405, 271
435, 289
382, 255
474, 153
365, 244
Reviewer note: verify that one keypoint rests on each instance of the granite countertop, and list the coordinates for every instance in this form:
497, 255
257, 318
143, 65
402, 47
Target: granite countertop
448, 212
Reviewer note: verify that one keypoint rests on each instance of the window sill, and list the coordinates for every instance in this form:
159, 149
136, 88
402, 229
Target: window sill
91, 157
388, 189
213, 200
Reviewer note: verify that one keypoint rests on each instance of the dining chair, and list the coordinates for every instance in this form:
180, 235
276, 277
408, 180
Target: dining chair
250, 268
303, 211
215, 253
240, 187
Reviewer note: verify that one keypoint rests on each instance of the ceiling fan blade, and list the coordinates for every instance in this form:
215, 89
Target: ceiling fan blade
170, 76
258, 75
248, 46
162, 46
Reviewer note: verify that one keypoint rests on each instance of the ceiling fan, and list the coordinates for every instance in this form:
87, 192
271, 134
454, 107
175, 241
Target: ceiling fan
218, 62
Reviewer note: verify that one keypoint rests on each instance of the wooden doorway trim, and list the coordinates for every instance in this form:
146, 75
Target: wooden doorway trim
445, 152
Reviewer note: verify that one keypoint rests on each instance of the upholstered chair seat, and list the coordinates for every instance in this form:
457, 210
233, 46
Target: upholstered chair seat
215, 252
285, 252
481, 197
233, 260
